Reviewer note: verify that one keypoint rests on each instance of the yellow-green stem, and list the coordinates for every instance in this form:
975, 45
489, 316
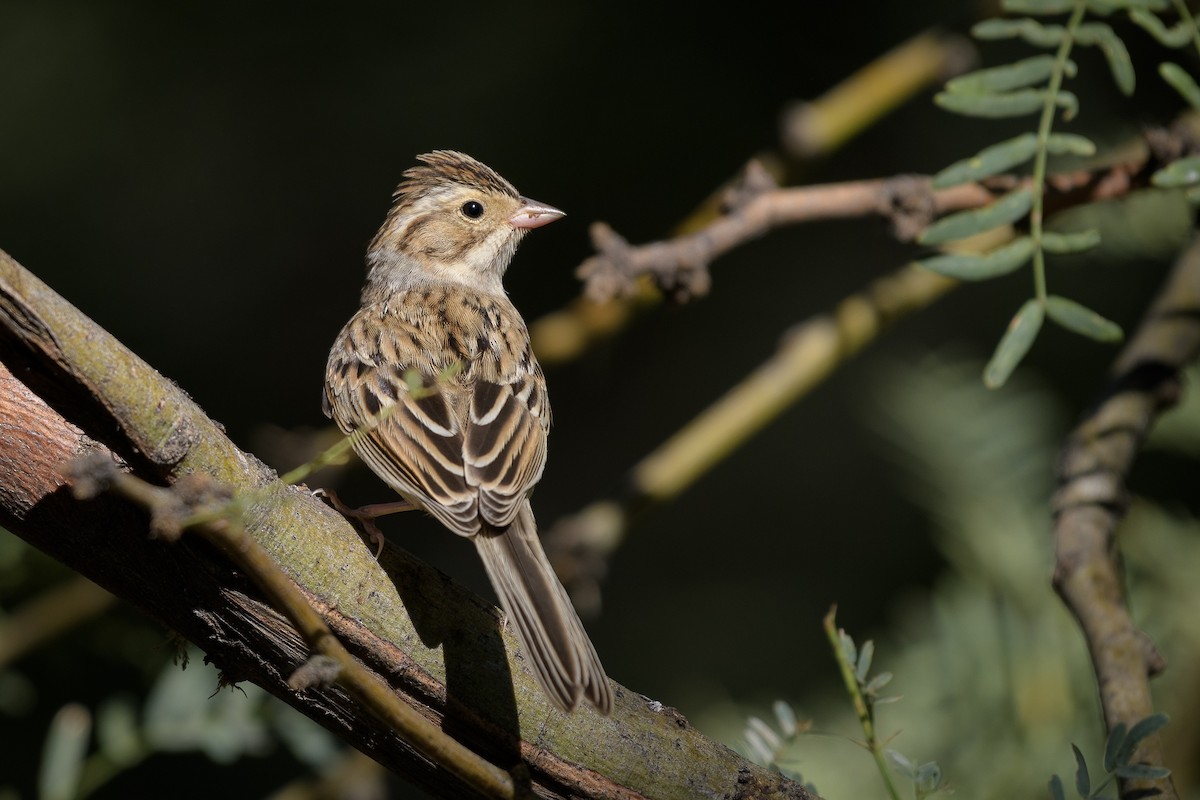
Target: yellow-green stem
866, 717
330, 455
1043, 134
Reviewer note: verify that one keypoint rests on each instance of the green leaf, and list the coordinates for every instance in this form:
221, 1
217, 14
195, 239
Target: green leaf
765, 733
1182, 81
1183, 172
1082, 320
929, 777
1005, 104
1109, 6
1140, 730
1178, 35
1083, 782
1031, 31
993, 106
989, 161
757, 749
1142, 772
1014, 344
1018, 75
1147, 727
848, 648
900, 763
865, 654
1066, 243
976, 267
1101, 34
1070, 144
1112, 746
117, 736
1037, 6
64, 752
1068, 102
1009, 208
878, 682
786, 716
1056, 789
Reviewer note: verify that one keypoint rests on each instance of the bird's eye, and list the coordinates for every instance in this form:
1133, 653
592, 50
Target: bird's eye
473, 209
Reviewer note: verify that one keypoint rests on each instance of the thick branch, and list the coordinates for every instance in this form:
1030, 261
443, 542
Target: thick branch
68, 388
197, 505
1092, 499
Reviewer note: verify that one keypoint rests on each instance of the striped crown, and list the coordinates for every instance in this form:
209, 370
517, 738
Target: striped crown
441, 166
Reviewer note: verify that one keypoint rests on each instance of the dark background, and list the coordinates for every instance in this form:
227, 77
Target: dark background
202, 179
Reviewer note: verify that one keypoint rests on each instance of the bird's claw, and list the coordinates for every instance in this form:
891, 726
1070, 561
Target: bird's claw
360, 517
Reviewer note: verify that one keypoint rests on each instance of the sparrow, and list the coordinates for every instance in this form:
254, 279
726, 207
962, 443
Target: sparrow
435, 380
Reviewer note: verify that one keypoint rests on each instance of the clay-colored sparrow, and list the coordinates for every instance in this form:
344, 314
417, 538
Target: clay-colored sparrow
437, 368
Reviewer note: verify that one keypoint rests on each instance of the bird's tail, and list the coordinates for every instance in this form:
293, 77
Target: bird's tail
557, 646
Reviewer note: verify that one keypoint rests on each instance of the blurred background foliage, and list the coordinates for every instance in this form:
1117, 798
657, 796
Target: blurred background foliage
202, 180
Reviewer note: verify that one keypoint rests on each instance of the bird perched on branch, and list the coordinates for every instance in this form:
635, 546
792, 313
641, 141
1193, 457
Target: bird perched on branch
436, 379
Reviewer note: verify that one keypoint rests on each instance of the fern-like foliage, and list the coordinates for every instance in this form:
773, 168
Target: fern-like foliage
1184, 172
86, 752
1034, 86
770, 748
855, 664
767, 746
995, 678
1118, 761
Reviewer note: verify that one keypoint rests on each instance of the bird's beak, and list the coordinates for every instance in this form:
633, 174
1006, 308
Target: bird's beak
533, 214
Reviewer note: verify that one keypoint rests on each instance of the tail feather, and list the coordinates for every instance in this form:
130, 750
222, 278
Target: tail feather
558, 648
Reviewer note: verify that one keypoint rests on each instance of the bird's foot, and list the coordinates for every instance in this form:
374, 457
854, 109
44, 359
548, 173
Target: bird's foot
365, 516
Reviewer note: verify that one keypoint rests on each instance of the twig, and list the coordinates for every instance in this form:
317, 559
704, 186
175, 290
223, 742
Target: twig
808, 129
680, 265
823, 125
1092, 498
805, 358
622, 277
579, 544
196, 503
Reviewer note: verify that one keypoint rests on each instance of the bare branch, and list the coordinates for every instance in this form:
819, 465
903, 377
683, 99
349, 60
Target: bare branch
1092, 499
679, 266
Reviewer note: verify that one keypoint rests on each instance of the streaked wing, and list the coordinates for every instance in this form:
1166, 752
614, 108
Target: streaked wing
412, 441
505, 448
465, 447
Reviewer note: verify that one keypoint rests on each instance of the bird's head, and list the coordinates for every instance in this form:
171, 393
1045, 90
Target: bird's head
455, 219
